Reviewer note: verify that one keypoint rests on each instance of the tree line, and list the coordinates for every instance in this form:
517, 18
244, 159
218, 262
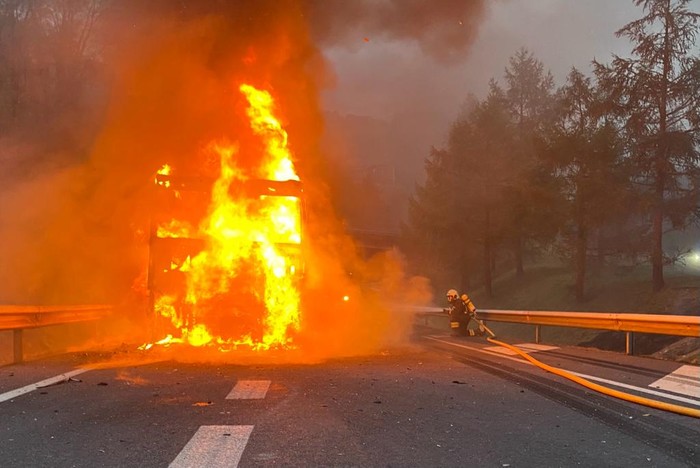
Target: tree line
58, 61
50, 64
599, 167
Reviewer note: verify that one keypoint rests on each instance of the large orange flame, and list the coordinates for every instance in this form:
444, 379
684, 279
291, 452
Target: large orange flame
246, 277
278, 165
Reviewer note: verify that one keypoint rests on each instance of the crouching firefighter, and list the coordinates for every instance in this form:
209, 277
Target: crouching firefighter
461, 312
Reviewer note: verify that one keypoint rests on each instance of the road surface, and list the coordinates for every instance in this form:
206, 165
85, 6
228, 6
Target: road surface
438, 400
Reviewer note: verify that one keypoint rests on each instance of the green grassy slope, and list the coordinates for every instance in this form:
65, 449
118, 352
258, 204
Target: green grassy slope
609, 289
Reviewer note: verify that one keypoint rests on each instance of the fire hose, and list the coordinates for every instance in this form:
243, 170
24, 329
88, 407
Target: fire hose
593, 386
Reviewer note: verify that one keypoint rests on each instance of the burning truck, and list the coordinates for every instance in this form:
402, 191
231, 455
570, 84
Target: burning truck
225, 252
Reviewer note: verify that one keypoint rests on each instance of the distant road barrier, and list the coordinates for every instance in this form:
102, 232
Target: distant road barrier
18, 318
678, 325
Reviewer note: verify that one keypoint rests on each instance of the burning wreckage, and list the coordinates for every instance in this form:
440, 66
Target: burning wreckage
225, 256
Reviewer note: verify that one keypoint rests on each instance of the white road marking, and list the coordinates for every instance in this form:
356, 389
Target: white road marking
685, 380
249, 390
668, 396
527, 347
640, 389
214, 447
44, 383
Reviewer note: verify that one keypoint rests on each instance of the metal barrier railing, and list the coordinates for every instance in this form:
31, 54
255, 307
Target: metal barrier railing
678, 325
19, 318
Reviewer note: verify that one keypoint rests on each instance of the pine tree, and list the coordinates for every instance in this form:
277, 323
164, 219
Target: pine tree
585, 153
436, 233
528, 95
658, 92
485, 149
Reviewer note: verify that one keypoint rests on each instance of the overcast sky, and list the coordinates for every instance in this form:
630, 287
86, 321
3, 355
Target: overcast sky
387, 79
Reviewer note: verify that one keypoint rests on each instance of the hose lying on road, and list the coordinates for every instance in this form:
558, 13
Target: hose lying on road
599, 388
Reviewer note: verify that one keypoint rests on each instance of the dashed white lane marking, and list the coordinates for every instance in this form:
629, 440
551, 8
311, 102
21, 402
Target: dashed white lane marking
44, 383
527, 347
520, 360
214, 447
249, 390
684, 380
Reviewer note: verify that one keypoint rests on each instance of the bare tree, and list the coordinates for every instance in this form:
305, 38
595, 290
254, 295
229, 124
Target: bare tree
16, 18
46, 49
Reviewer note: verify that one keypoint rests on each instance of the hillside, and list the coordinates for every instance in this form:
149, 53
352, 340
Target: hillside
611, 289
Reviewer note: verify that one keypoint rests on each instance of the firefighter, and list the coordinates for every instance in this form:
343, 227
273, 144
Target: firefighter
459, 313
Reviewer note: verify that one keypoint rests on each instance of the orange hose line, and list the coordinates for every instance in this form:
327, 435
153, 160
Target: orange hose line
604, 390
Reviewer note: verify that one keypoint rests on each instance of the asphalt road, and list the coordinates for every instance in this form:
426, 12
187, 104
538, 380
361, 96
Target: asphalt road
437, 401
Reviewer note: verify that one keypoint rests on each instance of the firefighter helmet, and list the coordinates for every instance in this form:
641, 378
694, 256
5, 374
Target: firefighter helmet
452, 294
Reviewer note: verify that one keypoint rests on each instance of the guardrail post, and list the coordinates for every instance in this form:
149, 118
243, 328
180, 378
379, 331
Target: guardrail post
538, 335
629, 343
17, 345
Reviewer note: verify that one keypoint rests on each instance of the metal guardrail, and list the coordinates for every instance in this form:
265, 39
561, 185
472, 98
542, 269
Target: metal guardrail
18, 318
677, 325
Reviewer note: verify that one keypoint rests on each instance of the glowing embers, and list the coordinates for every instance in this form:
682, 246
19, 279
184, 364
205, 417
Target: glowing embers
234, 279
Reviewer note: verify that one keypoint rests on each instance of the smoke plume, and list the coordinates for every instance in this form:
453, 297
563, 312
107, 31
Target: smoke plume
442, 28
81, 234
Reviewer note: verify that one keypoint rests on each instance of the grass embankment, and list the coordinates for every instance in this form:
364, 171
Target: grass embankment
609, 289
